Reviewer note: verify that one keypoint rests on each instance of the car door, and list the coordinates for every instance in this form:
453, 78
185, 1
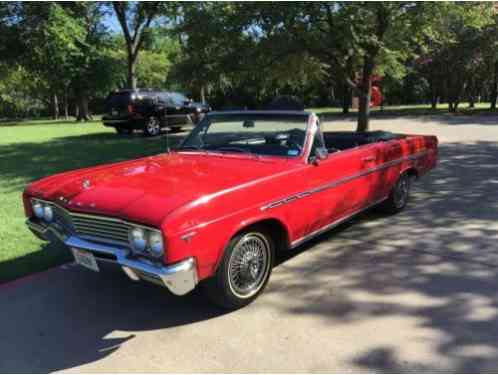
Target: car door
342, 184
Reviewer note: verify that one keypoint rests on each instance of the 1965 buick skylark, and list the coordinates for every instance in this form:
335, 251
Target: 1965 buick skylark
241, 187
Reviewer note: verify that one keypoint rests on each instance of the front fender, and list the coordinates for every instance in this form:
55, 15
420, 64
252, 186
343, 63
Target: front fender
207, 241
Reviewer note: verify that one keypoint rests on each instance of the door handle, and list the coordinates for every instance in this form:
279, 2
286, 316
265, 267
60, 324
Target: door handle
368, 159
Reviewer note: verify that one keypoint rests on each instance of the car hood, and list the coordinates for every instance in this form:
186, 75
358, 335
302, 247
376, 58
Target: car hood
147, 190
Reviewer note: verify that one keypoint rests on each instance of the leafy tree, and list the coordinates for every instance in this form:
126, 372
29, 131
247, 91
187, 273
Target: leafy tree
65, 45
353, 40
135, 19
154, 63
455, 49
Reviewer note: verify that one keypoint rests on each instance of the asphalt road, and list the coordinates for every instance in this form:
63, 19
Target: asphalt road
412, 292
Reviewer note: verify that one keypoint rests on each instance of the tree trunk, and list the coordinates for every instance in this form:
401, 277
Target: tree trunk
132, 78
364, 96
432, 86
434, 102
494, 89
55, 107
346, 98
83, 114
66, 105
203, 95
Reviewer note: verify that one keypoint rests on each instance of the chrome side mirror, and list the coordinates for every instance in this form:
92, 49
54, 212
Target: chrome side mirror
321, 153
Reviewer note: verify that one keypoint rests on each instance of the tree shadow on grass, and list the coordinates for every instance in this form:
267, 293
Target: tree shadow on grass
23, 162
48, 255
44, 122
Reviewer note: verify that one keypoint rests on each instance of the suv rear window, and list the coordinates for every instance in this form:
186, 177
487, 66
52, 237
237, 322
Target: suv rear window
118, 100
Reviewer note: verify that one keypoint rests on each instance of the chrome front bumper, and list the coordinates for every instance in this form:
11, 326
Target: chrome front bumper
180, 278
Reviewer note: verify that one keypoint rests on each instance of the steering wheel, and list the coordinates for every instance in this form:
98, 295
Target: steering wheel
294, 145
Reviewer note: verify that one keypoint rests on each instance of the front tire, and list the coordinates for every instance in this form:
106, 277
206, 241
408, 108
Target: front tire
399, 195
152, 127
244, 270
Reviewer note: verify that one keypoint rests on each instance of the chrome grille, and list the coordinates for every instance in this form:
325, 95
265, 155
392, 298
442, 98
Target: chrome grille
63, 218
98, 228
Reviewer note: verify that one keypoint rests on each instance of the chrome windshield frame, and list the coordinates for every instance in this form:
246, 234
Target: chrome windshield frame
308, 117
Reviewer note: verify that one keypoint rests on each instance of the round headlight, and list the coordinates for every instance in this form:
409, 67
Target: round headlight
37, 209
156, 246
48, 213
137, 238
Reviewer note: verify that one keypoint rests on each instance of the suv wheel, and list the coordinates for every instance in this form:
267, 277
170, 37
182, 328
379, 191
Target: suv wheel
152, 127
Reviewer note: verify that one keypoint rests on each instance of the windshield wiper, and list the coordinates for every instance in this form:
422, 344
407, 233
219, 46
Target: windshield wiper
233, 149
187, 148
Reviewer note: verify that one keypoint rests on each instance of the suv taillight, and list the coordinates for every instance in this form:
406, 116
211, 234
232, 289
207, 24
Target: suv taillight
130, 108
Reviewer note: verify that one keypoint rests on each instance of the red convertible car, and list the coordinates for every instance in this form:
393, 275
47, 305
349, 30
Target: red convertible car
242, 187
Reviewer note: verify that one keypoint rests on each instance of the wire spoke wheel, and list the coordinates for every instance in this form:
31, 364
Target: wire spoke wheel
401, 191
249, 265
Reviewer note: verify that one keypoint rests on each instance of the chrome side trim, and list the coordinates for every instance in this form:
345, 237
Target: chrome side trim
329, 226
180, 278
341, 181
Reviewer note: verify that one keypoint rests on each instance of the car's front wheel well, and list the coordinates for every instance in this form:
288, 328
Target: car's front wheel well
275, 229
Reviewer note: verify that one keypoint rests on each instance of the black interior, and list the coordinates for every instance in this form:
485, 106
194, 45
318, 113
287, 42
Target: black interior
287, 143
335, 141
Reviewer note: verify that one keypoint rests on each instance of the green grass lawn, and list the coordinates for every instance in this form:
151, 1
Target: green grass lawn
31, 150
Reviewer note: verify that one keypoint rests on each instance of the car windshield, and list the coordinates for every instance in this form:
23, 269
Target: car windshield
260, 134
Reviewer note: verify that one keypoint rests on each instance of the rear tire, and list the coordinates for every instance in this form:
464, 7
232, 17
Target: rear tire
244, 270
399, 195
152, 127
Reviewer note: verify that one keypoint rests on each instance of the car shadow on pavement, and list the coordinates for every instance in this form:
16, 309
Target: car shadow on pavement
434, 265
71, 316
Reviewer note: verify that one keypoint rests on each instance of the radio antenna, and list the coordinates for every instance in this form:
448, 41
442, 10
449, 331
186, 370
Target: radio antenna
167, 141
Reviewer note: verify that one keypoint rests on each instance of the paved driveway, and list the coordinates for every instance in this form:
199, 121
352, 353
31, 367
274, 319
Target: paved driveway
412, 292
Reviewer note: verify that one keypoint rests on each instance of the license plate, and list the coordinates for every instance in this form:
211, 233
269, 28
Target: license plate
114, 112
86, 259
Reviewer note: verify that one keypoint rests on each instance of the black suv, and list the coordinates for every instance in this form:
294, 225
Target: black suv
150, 110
